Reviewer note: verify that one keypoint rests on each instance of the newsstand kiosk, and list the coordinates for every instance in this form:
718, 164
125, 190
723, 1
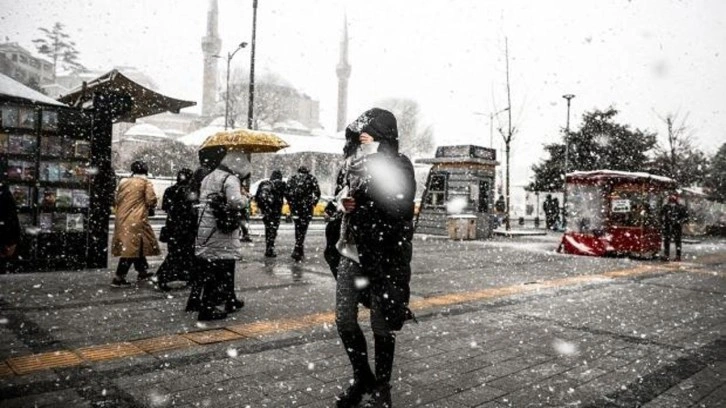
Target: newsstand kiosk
55, 157
459, 193
614, 213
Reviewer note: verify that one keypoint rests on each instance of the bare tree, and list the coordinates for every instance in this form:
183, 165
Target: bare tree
677, 158
508, 135
57, 45
415, 140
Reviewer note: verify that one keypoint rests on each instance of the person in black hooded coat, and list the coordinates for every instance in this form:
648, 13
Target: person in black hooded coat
181, 223
270, 199
377, 197
302, 194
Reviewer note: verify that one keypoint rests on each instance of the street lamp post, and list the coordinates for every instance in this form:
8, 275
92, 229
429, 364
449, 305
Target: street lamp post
567, 153
226, 102
250, 106
491, 125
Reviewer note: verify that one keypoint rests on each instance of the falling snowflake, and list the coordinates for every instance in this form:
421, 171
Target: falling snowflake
158, 399
565, 348
232, 352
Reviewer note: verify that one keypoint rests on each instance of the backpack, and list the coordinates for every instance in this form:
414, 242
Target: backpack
227, 219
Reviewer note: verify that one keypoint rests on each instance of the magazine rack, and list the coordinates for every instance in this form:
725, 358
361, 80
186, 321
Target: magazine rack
45, 152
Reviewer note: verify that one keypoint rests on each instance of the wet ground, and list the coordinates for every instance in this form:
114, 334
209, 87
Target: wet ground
502, 323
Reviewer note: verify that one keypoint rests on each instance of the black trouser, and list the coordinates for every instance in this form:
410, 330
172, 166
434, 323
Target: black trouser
124, 265
272, 223
301, 229
215, 278
347, 297
676, 234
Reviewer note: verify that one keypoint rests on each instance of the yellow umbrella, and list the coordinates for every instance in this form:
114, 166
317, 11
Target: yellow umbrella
251, 141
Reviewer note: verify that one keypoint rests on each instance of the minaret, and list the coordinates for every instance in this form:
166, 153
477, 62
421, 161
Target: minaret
211, 44
343, 71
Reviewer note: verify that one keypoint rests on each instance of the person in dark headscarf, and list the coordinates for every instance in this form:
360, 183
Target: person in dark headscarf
302, 194
181, 217
377, 198
270, 197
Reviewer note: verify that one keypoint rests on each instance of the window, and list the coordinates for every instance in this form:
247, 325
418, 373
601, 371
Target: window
436, 195
633, 208
483, 202
584, 208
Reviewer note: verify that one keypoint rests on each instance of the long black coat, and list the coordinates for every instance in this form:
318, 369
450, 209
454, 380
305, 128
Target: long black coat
673, 216
9, 224
270, 197
181, 216
302, 193
382, 222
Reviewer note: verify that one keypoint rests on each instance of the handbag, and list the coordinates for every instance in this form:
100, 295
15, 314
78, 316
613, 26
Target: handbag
164, 234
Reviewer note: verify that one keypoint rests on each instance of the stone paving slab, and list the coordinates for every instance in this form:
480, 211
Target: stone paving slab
636, 340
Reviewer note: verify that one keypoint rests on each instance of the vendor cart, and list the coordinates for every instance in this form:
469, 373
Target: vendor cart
614, 213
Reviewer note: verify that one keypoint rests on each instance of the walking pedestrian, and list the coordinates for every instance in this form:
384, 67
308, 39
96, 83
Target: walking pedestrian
673, 215
133, 238
180, 228
217, 248
302, 194
549, 211
270, 198
377, 198
9, 227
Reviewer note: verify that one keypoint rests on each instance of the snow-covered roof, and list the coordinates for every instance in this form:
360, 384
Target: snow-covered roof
11, 88
621, 174
145, 129
317, 144
298, 143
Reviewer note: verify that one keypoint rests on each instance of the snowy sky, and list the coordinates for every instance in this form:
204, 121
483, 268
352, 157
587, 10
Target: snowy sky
647, 57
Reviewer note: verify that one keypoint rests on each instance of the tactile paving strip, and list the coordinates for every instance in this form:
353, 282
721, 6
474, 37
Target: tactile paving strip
164, 343
44, 361
212, 336
109, 351
5, 371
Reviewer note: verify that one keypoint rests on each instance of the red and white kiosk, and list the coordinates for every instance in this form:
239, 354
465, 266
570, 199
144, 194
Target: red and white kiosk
614, 213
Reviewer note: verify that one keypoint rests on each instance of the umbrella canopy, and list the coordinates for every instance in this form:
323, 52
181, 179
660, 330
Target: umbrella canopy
251, 141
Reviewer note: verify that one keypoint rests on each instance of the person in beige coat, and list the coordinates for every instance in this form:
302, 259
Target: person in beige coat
133, 238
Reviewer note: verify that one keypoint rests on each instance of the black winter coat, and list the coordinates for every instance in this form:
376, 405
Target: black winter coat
181, 216
382, 222
9, 224
270, 197
302, 193
673, 216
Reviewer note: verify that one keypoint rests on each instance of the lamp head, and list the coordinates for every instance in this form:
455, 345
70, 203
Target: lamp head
243, 44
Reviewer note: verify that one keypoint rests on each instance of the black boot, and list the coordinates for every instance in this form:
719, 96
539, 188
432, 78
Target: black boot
385, 350
363, 379
211, 314
233, 305
352, 396
381, 397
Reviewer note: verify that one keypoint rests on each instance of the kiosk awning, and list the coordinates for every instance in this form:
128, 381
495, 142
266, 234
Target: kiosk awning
13, 90
130, 100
